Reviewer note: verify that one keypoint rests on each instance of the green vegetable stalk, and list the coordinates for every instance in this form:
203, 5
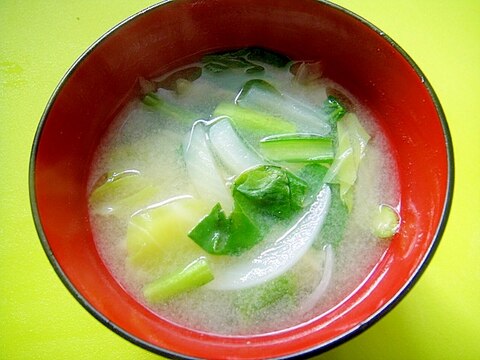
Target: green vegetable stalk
196, 274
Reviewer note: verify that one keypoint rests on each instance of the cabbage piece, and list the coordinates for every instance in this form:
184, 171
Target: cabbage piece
157, 235
121, 193
351, 148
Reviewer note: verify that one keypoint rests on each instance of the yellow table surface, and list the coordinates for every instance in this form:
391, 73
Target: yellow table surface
39, 319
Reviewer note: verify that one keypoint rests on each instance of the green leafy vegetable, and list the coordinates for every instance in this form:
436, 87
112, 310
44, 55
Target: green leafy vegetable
267, 57
196, 274
334, 109
251, 301
286, 251
272, 189
253, 121
260, 195
221, 62
313, 175
243, 59
335, 222
298, 148
219, 235
169, 110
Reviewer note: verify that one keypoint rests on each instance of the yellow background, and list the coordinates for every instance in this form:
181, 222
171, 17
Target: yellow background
39, 319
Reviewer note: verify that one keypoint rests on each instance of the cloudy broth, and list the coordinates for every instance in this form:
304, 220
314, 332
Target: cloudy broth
151, 143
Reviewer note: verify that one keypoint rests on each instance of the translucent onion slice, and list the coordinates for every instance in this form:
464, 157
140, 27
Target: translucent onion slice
279, 257
203, 171
320, 290
231, 149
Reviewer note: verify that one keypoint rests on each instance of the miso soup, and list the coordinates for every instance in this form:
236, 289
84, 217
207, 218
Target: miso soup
243, 194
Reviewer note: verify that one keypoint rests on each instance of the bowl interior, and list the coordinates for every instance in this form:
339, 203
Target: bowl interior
354, 55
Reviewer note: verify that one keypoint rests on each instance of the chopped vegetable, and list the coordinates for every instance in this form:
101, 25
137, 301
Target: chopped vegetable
336, 221
260, 195
267, 57
334, 109
253, 300
232, 150
259, 95
313, 174
386, 222
169, 110
157, 235
298, 148
281, 255
254, 121
244, 59
221, 62
203, 171
351, 148
196, 274
121, 193
219, 235
270, 190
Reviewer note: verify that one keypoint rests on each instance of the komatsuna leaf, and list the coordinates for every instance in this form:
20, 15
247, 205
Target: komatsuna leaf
219, 235
262, 196
272, 189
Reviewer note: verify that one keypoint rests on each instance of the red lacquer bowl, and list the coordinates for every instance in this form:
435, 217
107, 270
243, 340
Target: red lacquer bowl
354, 53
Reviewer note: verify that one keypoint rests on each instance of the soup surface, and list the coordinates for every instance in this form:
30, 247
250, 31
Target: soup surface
243, 194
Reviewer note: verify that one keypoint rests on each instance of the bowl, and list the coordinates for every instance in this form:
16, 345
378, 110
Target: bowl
355, 54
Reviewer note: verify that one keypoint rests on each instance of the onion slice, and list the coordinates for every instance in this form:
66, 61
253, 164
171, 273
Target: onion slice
310, 302
203, 171
279, 257
231, 149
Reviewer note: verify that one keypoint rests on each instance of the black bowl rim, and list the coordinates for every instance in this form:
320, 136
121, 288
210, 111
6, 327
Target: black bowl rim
304, 354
